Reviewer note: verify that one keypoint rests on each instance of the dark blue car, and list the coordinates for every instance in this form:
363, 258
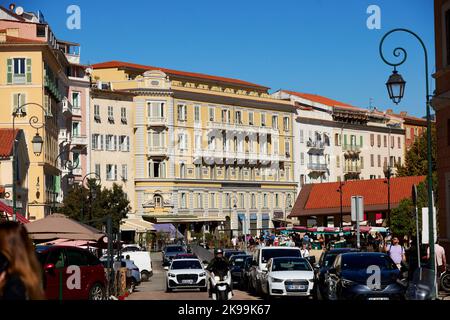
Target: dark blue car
237, 267
364, 276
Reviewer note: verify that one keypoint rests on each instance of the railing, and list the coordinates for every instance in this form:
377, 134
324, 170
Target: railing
315, 144
352, 169
79, 140
157, 150
241, 127
351, 147
19, 79
317, 166
156, 121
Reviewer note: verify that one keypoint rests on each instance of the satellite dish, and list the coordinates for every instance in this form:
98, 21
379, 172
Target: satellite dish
19, 11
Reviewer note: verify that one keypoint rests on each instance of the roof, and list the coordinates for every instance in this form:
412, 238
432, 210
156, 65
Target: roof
6, 142
9, 211
324, 198
121, 64
321, 99
16, 40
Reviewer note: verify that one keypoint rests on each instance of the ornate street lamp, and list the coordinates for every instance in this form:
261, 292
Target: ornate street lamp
397, 86
37, 142
69, 165
91, 184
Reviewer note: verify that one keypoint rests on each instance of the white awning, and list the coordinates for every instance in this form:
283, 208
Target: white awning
138, 225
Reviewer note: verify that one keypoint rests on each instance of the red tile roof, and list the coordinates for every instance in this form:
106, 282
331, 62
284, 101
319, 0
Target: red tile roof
321, 99
324, 198
120, 64
6, 142
10, 39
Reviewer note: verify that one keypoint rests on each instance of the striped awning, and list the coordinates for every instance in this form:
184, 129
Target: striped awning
137, 225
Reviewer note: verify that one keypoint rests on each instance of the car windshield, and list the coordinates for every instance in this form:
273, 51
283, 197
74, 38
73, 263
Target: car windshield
362, 262
229, 254
175, 249
329, 259
274, 253
237, 261
288, 264
186, 264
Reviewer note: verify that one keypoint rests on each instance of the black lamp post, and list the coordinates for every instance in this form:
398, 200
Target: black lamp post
341, 184
69, 165
37, 143
396, 89
91, 184
388, 174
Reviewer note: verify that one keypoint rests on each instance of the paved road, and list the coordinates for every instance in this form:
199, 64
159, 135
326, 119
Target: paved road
155, 288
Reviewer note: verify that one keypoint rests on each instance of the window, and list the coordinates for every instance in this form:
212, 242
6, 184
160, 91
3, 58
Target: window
287, 148
212, 200
362, 162
399, 161
183, 201
408, 133
211, 114
123, 115
385, 141
379, 141
302, 158
198, 171
286, 123
182, 171
40, 30
212, 143
76, 127
110, 114
263, 119
18, 71
338, 161
379, 161
111, 142
265, 202
372, 160
253, 201
156, 139
275, 122
301, 136
197, 114
250, 118
238, 117
337, 139
399, 142
156, 169
76, 257
111, 172
199, 200
124, 172
158, 200
96, 112
95, 141
155, 110
97, 170
124, 143
392, 142
241, 200
19, 99
277, 200
182, 141
372, 139
75, 100
182, 112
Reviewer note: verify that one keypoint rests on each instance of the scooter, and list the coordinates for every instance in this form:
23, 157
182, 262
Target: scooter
221, 286
444, 279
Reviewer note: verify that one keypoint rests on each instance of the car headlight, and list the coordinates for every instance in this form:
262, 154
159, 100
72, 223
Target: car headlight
276, 279
217, 278
203, 274
347, 283
171, 275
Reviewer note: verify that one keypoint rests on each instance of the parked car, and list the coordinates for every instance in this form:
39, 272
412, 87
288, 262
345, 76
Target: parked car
348, 278
260, 258
325, 262
133, 272
171, 251
237, 265
228, 253
55, 261
131, 248
246, 274
143, 261
288, 276
186, 274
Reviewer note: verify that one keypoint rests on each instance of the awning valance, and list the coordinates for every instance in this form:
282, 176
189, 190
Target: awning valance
137, 225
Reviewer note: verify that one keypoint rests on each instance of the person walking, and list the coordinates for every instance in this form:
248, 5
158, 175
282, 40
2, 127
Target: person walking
304, 251
396, 252
20, 271
441, 261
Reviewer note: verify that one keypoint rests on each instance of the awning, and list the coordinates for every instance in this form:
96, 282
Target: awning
253, 216
265, 216
9, 211
137, 225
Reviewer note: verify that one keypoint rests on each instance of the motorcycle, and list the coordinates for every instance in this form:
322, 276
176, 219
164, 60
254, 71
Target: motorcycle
444, 279
221, 285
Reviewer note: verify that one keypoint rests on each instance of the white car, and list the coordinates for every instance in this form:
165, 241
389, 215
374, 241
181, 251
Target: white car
288, 276
186, 274
144, 262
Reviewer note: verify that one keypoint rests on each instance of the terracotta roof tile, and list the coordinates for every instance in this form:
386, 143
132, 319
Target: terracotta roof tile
6, 142
321, 99
120, 64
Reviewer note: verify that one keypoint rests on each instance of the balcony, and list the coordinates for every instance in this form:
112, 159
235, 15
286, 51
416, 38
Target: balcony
315, 146
319, 167
156, 122
351, 150
66, 107
157, 152
52, 87
355, 169
76, 111
238, 127
78, 141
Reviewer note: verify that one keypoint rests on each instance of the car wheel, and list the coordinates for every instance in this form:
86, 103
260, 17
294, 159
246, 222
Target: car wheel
97, 292
145, 276
133, 284
167, 288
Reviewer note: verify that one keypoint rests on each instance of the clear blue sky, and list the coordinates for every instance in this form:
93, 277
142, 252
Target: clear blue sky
314, 46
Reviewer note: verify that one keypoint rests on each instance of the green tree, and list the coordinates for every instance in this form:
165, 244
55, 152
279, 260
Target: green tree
403, 219
91, 204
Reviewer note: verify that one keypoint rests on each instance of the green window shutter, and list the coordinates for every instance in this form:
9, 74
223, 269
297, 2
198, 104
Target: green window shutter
345, 139
9, 75
361, 141
28, 70
15, 101
23, 101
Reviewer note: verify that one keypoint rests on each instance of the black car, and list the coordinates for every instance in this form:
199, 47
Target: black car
364, 276
171, 251
227, 253
237, 267
325, 262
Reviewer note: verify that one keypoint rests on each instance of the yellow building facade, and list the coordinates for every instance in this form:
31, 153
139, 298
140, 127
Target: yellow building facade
209, 151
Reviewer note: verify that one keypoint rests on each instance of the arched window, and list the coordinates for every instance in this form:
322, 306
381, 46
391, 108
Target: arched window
158, 200
182, 171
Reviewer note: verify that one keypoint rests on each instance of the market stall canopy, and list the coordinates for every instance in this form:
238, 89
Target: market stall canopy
137, 225
58, 226
70, 243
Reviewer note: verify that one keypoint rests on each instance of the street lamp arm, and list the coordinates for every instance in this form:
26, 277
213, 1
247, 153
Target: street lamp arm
96, 177
34, 120
69, 164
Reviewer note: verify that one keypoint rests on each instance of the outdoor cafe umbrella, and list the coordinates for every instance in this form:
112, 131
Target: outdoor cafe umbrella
58, 226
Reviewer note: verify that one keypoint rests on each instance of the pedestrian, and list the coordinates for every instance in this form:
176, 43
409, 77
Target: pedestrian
412, 258
304, 251
396, 252
234, 241
20, 271
441, 261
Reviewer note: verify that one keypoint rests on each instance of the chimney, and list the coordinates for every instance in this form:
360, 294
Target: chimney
403, 113
389, 111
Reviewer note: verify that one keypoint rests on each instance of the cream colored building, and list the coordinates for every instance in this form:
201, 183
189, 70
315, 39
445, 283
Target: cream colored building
209, 151
111, 142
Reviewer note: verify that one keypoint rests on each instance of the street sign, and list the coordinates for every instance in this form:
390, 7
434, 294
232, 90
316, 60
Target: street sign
425, 226
357, 208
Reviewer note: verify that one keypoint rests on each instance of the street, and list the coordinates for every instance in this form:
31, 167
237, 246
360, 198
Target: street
155, 288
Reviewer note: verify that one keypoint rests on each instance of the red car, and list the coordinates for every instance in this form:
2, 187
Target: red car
71, 273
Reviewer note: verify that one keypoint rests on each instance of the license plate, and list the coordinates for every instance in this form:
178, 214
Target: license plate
187, 281
296, 287
378, 298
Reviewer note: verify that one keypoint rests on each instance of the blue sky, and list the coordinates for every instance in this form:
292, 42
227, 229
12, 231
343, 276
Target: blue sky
315, 46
